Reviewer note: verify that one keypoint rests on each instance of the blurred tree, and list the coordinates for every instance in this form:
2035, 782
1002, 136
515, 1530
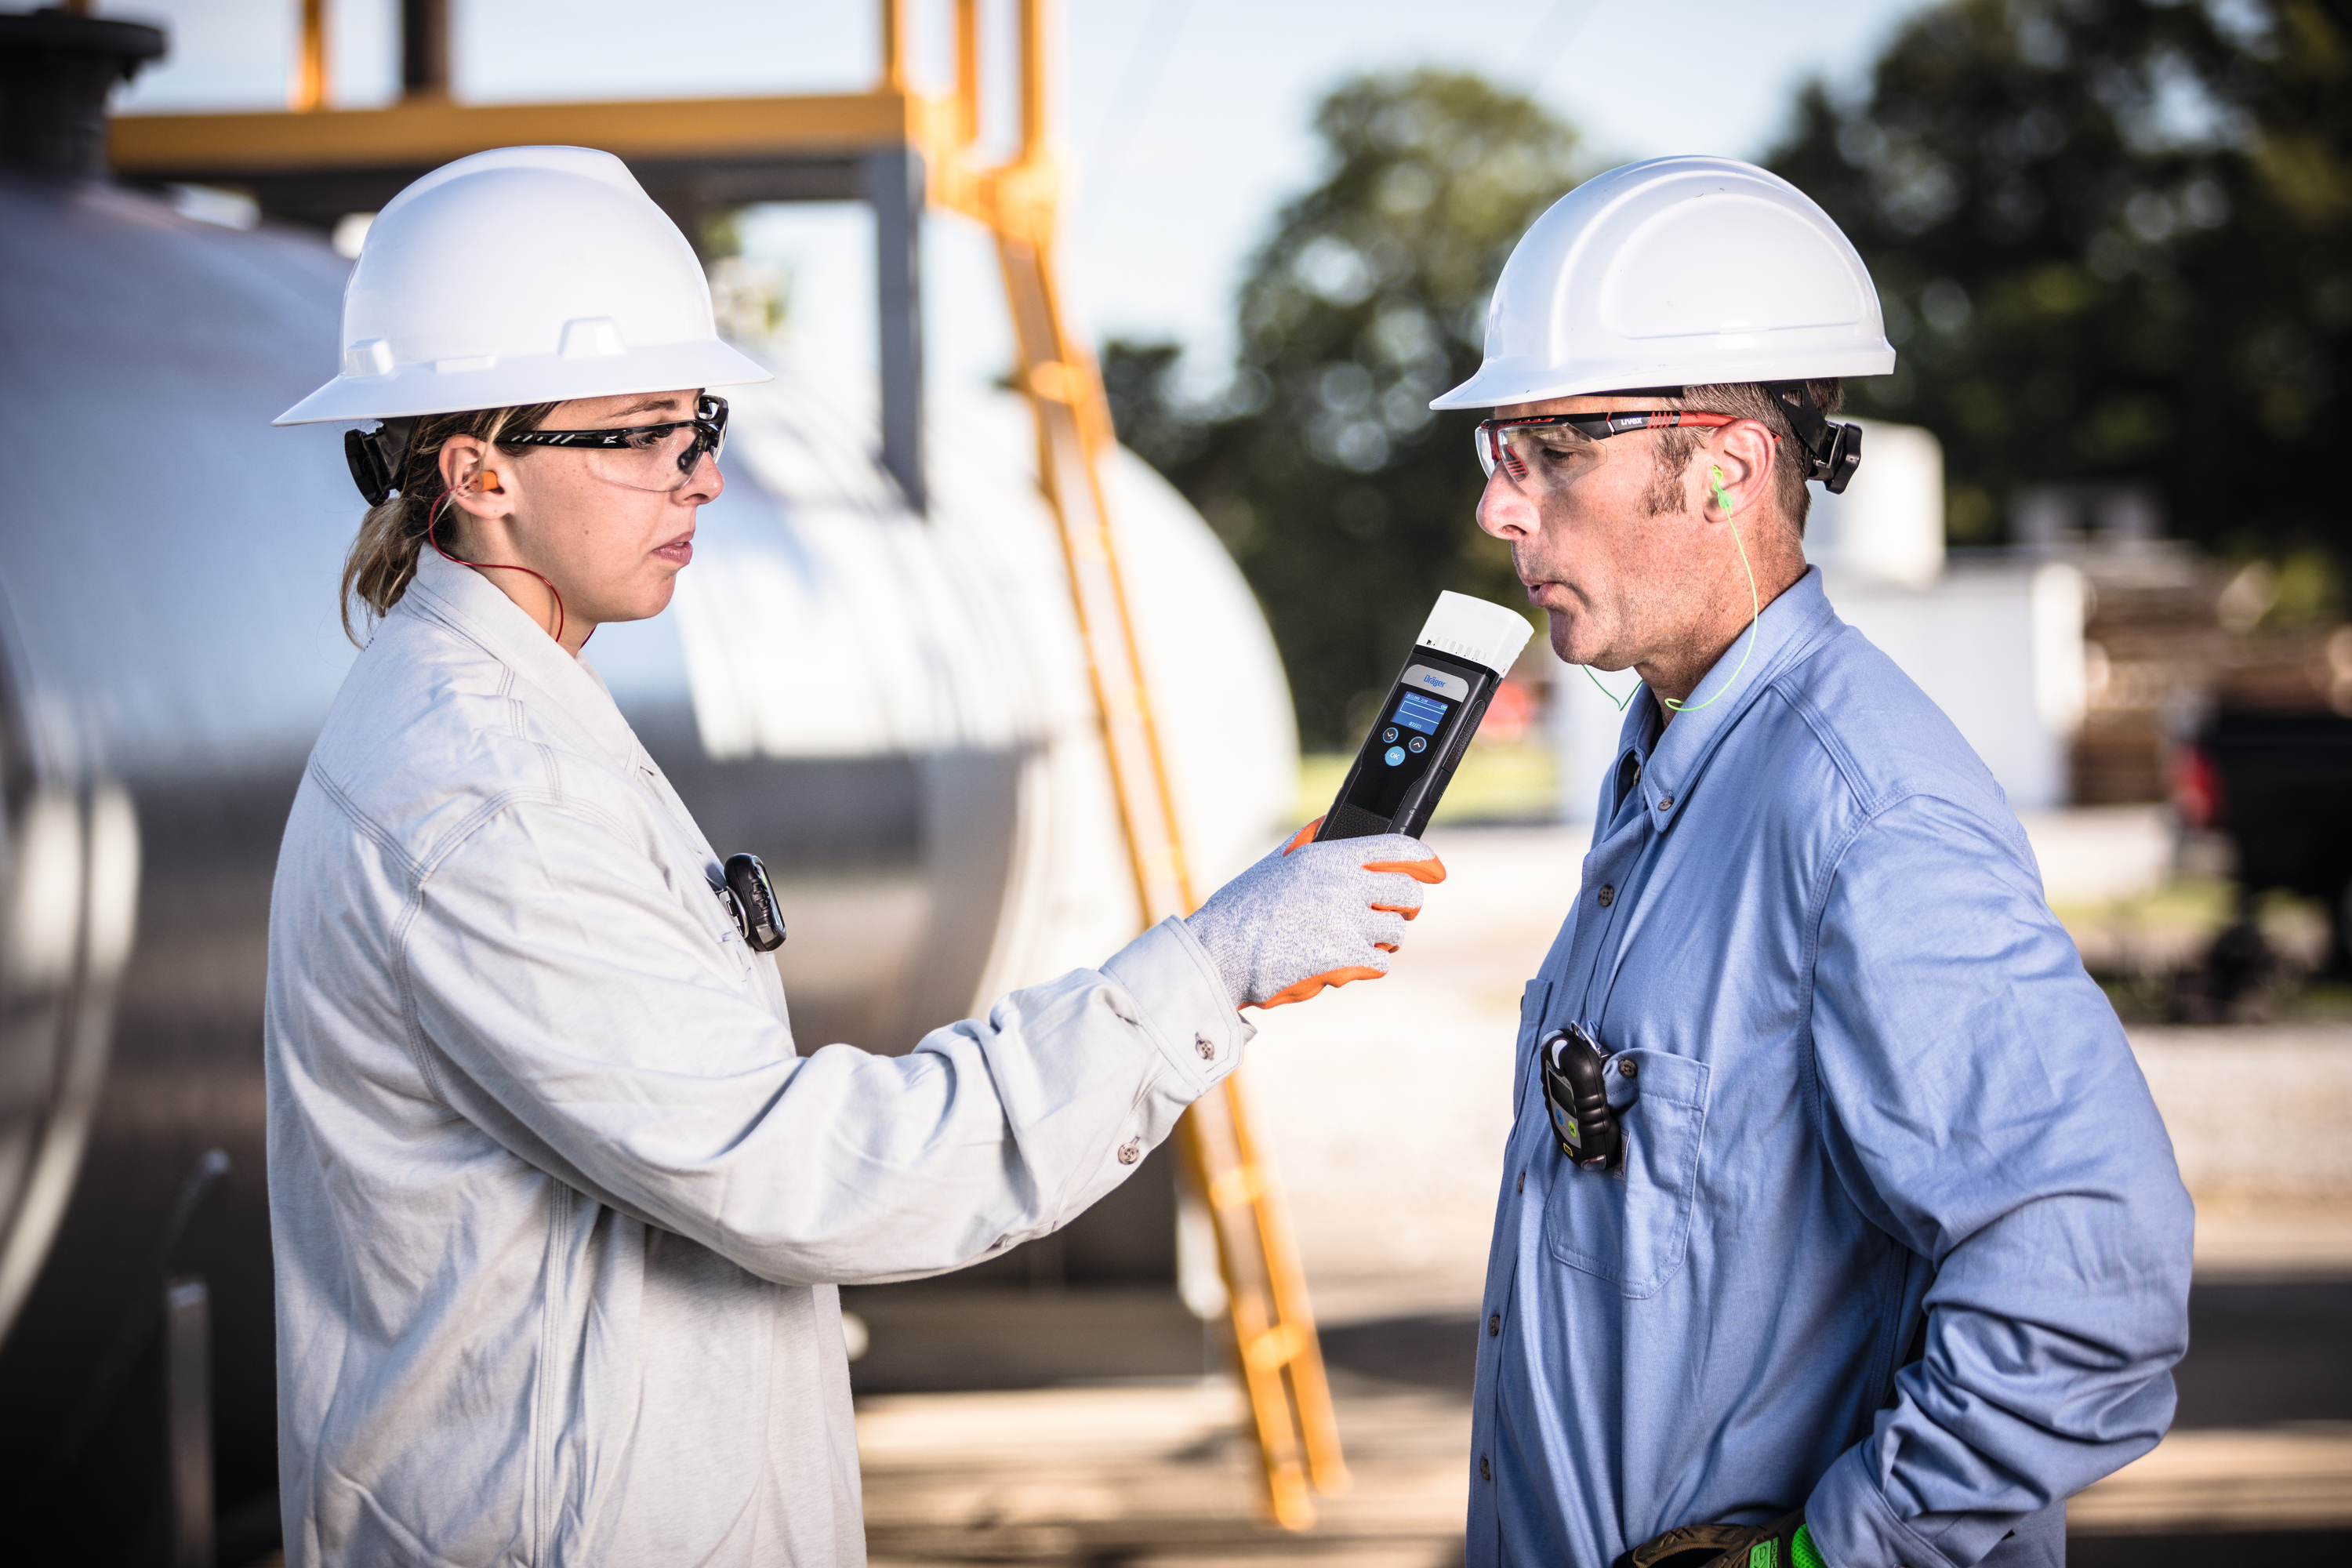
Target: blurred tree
2115, 239
1347, 503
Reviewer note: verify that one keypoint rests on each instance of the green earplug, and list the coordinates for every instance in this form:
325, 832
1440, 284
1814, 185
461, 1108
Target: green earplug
1716, 480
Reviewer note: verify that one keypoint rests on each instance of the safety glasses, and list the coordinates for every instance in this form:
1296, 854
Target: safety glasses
1524, 447
643, 457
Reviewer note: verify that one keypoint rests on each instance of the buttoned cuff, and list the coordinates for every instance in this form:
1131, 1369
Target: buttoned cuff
1182, 1003
1855, 1527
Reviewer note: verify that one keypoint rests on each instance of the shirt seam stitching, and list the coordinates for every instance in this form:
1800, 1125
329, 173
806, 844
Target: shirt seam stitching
1800, 650
420, 873
1868, 811
381, 837
543, 1456
411, 1019
412, 1024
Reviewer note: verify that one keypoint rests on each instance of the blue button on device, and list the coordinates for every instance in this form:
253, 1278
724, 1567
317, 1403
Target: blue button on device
1395, 755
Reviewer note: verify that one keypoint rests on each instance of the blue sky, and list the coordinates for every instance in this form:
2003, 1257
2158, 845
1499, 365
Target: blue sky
1187, 119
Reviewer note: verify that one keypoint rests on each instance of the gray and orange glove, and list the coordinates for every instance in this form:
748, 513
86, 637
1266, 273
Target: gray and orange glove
1311, 915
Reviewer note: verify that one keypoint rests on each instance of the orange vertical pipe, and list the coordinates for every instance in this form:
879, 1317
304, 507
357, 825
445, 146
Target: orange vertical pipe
1033, 77
894, 45
967, 77
310, 92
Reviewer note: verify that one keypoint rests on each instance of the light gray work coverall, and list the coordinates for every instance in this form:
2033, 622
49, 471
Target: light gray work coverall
558, 1211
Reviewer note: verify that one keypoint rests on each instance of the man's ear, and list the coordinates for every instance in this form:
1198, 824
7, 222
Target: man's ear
1736, 470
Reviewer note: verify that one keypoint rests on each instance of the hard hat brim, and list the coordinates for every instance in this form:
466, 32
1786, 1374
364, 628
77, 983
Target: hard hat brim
1507, 384
415, 390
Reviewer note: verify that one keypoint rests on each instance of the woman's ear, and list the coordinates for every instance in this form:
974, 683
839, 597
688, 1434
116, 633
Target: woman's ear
467, 474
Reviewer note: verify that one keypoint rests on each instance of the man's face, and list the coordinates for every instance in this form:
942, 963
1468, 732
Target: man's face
1602, 539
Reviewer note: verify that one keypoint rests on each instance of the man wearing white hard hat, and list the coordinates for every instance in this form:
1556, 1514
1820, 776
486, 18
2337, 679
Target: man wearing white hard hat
1837, 1225
557, 1207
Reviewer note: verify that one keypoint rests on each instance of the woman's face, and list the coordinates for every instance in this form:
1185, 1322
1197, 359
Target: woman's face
612, 549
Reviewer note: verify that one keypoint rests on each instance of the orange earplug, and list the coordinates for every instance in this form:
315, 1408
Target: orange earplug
488, 481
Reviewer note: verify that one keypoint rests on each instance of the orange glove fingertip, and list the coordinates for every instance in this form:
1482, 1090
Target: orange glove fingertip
1315, 983
1429, 872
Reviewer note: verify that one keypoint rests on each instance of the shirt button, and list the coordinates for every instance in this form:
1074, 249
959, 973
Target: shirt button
1627, 1066
1208, 1052
1130, 1152
1666, 802
1494, 1325
1523, 1181
1606, 896
1485, 1470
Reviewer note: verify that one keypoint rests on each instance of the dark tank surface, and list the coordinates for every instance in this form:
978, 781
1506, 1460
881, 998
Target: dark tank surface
166, 638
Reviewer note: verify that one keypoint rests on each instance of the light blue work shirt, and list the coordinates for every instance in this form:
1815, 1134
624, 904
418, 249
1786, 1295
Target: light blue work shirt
1861, 1077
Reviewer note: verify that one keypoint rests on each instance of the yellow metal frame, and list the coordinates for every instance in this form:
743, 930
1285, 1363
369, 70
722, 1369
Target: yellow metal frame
1019, 201
1281, 1361
429, 130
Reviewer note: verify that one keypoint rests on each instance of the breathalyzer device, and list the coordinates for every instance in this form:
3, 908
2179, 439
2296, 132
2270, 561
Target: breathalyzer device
1428, 719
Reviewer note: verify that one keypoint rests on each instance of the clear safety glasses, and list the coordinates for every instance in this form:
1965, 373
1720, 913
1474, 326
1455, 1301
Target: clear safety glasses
1532, 447
643, 457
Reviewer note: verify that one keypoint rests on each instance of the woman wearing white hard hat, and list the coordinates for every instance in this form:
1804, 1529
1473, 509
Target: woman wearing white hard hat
557, 1207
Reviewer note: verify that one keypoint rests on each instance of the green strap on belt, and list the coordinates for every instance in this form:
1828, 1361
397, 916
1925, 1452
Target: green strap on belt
1802, 1553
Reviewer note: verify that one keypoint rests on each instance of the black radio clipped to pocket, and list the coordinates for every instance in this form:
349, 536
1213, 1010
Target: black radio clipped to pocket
751, 900
1426, 723
1576, 1089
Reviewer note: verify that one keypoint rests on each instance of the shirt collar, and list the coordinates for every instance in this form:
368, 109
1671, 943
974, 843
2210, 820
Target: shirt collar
470, 604
1671, 759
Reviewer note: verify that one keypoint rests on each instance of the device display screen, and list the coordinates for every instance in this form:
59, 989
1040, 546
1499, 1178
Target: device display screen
1403, 746
1415, 711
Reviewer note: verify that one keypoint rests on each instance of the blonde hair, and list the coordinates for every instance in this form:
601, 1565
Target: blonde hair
383, 559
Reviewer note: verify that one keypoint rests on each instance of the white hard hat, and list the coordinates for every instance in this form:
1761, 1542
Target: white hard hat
522, 275
1676, 272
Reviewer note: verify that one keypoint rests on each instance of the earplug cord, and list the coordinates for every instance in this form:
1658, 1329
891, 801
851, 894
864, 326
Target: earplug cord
1755, 614
433, 524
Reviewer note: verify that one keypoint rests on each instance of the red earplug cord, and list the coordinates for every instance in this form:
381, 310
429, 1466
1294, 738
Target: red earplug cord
432, 525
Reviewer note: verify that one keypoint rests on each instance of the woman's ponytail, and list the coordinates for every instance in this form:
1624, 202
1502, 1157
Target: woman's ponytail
383, 559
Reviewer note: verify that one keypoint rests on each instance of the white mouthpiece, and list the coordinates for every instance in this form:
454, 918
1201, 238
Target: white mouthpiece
1475, 631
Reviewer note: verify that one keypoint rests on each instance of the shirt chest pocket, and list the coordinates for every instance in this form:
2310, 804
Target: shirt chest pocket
1632, 1227
734, 952
701, 893
672, 842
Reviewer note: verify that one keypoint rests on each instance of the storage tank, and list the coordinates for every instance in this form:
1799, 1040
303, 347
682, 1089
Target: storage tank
892, 709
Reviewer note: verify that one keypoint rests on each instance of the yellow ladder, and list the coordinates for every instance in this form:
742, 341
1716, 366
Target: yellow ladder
1273, 1331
